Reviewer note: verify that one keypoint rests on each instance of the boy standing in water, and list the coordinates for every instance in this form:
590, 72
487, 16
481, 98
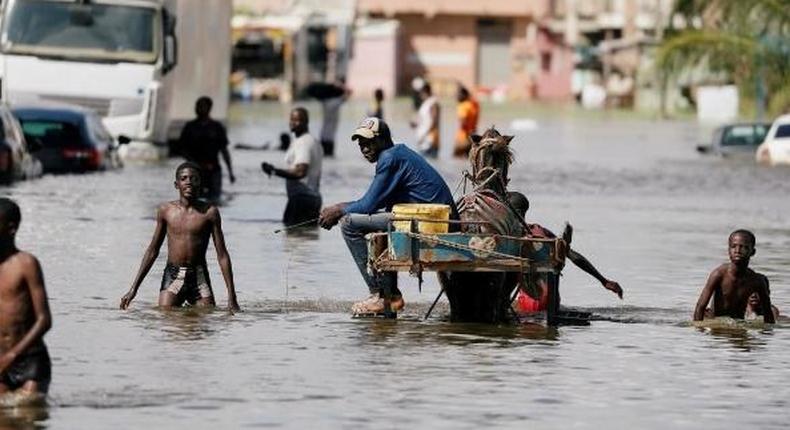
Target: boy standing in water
188, 223
25, 367
733, 283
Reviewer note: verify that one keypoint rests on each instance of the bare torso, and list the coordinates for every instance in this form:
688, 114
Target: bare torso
16, 306
733, 289
188, 232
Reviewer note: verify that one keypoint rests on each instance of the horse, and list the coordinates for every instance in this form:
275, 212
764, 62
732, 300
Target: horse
485, 296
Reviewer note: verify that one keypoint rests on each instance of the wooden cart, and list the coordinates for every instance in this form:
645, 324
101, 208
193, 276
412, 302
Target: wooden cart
415, 252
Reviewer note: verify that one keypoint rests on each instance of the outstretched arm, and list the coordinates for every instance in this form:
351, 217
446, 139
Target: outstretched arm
299, 171
43, 319
223, 258
583, 263
148, 258
706, 294
765, 302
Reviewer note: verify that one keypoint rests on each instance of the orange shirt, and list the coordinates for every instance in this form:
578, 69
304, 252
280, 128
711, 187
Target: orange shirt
468, 113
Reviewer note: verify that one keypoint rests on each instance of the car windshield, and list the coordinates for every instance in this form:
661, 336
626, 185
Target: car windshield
742, 135
52, 134
81, 30
783, 131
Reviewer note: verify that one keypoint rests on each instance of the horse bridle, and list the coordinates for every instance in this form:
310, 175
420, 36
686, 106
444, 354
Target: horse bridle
477, 174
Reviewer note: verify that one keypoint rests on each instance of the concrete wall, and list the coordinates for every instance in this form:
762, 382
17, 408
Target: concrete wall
443, 48
554, 68
375, 60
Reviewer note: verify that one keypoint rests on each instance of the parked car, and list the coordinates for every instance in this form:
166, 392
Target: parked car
734, 139
775, 149
73, 139
16, 160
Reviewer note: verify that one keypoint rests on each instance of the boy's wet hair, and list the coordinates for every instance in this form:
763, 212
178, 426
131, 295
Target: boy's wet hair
188, 165
9, 211
746, 233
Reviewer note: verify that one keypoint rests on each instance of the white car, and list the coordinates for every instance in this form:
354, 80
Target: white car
775, 149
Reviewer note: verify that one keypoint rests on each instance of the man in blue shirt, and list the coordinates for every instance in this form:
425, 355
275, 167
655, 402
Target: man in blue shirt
402, 176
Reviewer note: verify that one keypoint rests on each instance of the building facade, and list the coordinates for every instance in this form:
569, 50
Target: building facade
535, 49
498, 47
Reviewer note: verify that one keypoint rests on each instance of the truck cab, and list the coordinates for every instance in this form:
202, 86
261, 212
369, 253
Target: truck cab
110, 57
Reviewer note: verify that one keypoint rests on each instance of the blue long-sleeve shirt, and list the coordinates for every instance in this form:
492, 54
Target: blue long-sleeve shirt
403, 176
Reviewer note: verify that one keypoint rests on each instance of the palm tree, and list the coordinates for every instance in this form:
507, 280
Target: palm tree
745, 40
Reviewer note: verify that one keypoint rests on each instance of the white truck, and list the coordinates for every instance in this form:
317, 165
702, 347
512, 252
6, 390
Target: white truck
140, 64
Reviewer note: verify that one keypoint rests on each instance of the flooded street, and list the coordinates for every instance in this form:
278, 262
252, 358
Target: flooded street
648, 211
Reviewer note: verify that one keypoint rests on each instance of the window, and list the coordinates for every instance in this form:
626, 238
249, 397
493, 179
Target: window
101, 31
740, 135
783, 131
52, 134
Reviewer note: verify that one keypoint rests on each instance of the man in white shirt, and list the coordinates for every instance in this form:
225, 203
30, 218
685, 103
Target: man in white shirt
303, 174
427, 123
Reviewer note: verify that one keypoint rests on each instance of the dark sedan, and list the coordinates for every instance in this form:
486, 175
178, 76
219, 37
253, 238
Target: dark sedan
72, 139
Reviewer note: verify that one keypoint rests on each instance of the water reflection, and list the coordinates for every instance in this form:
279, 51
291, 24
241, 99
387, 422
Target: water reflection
739, 338
414, 332
182, 324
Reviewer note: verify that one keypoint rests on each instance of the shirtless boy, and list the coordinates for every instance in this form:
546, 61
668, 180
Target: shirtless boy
524, 303
732, 283
25, 368
188, 223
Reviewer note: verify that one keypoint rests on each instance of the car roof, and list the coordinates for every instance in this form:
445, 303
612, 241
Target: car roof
742, 124
59, 112
784, 119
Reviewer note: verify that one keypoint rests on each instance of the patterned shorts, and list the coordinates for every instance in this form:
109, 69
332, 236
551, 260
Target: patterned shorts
187, 282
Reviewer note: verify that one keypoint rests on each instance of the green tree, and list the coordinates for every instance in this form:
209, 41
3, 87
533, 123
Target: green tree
748, 41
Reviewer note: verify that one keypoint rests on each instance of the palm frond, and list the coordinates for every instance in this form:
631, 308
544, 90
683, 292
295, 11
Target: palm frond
688, 49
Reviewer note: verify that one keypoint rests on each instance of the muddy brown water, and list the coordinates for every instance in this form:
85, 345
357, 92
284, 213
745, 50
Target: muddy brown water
648, 211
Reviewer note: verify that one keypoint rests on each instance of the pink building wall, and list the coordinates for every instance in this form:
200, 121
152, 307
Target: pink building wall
442, 48
555, 68
374, 65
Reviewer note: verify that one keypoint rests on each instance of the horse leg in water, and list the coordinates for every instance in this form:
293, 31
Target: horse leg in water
478, 297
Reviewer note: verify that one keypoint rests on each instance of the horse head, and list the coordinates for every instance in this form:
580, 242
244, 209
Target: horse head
491, 157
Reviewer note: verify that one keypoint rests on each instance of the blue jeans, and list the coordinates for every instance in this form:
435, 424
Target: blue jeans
354, 228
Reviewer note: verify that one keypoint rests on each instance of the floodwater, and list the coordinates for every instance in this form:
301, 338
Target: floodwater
648, 211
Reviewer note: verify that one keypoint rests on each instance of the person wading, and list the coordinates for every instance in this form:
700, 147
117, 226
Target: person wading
331, 111
201, 142
426, 124
468, 114
303, 174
